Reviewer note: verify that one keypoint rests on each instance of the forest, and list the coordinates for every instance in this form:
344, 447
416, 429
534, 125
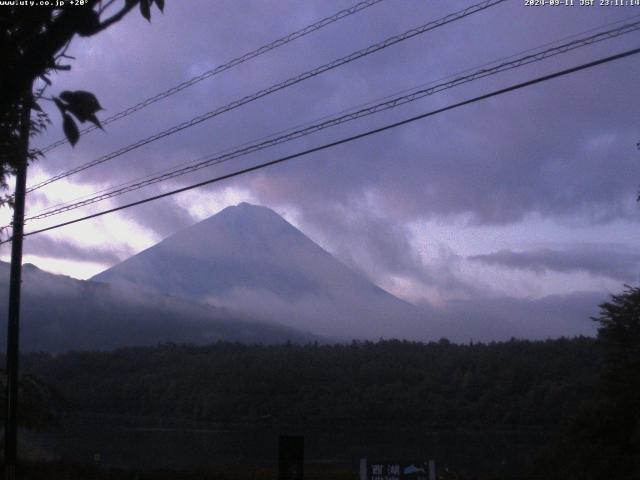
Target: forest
399, 383
580, 396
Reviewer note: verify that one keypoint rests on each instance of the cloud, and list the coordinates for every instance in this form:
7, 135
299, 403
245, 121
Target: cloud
537, 151
502, 318
559, 152
164, 217
45, 246
623, 265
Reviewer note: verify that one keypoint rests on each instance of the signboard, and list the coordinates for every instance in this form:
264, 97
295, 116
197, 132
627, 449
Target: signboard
378, 470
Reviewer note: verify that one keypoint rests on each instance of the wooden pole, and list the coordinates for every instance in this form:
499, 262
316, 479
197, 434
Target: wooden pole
13, 327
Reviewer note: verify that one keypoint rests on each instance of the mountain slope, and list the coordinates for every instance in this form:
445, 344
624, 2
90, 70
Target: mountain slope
250, 258
61, 313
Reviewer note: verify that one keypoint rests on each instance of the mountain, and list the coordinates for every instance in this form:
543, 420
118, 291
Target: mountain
60, 313
249, 258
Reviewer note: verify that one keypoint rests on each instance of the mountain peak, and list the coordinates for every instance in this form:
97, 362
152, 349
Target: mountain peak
244, 207
250, 258
235, 228
247, 212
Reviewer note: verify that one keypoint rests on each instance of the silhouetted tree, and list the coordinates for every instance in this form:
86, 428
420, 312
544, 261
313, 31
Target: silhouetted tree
33, 44
603, 439
619, 336
391, 382
39, 403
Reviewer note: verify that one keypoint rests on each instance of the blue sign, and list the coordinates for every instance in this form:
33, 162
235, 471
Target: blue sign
376, 470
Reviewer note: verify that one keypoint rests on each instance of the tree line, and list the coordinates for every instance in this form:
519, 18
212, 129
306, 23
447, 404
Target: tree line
400, 383
584, 391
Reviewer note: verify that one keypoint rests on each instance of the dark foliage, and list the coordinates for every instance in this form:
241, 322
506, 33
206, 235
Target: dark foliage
395, 383
33, 46
603, 440
40, 404
65, 470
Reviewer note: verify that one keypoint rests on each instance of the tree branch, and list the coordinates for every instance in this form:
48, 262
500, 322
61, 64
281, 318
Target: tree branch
36, 60
117, 17
103, 8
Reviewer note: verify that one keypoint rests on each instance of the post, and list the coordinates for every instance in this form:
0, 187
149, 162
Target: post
363, 469
432, 470
13, 324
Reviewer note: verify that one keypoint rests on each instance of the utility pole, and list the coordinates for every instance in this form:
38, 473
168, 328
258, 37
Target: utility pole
13, 327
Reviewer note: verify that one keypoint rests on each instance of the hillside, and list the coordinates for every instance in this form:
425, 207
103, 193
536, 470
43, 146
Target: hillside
386, 383
249, 258
60, 313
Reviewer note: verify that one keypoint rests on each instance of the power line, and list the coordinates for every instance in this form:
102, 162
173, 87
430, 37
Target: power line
226, 66
351, 109
291, 81
393, 103
352, 138
276, 87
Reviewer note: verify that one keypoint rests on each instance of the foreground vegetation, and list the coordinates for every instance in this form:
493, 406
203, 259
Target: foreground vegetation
78, 471
583, 393
479, 397
389, 382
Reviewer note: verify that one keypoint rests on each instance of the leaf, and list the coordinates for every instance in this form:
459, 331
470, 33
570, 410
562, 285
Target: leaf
83, 97
70, 129
160, 4
89, 23
93, 119
61, 106
82, 104
145, 9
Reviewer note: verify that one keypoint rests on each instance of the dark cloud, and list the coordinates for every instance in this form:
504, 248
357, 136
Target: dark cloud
502, 318
565, 148
163, 217
45, 246
375, 245
560, 150
601, 261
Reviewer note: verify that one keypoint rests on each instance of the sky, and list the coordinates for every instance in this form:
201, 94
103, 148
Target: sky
496, 205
